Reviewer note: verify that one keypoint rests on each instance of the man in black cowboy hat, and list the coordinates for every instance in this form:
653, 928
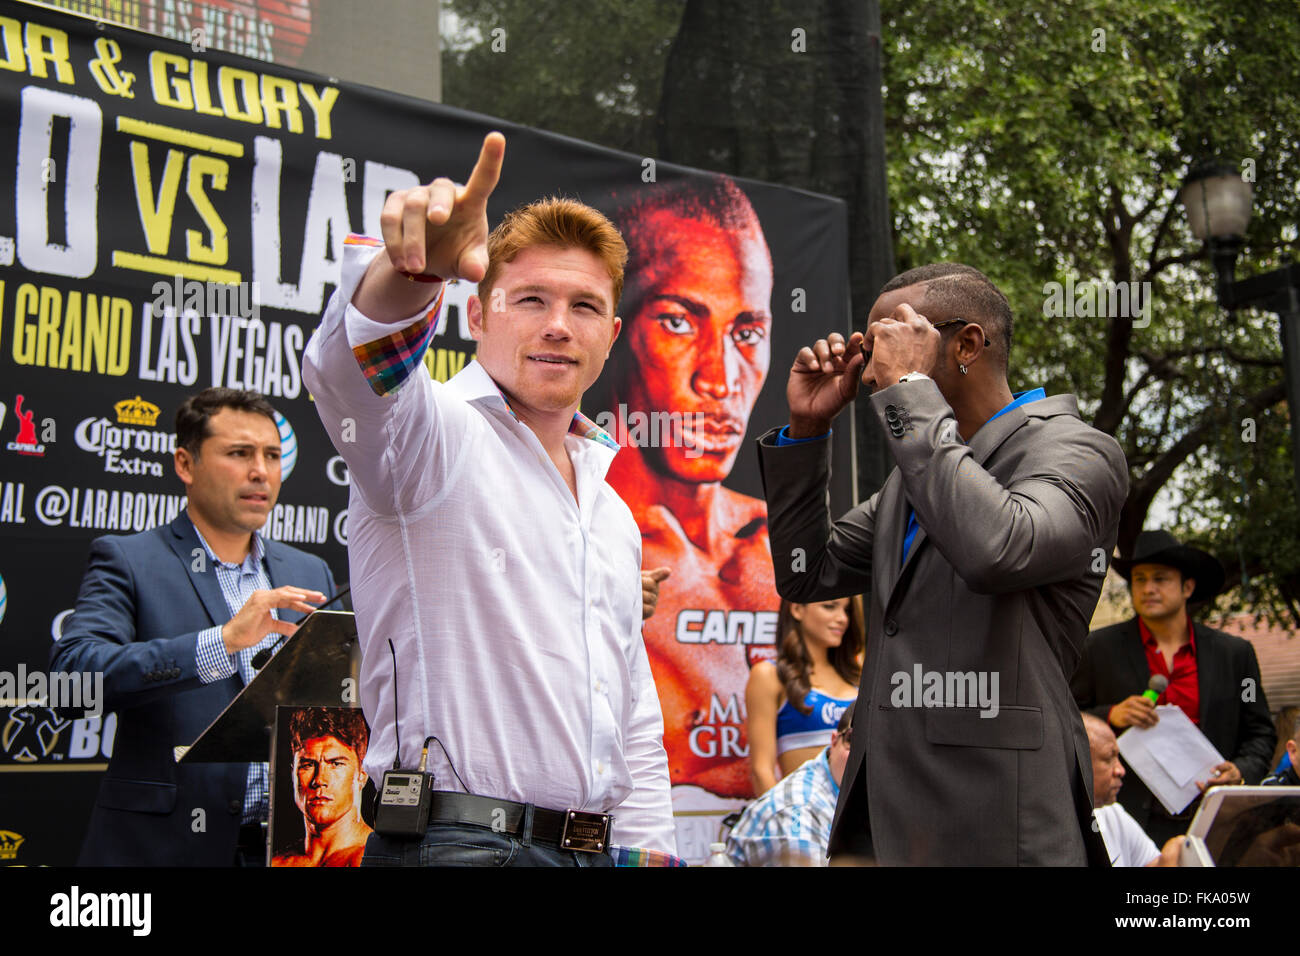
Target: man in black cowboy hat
1213, 676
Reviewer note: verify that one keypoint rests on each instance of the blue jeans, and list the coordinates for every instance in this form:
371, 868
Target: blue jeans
452, 844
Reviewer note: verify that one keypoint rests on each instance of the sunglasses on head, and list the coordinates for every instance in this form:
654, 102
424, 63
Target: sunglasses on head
939, 325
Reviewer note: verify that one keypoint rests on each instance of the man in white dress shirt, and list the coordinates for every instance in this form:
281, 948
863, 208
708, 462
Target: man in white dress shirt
484, 543
1124, 837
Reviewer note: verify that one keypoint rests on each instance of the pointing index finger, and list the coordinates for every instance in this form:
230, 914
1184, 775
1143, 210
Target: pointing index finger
487, 171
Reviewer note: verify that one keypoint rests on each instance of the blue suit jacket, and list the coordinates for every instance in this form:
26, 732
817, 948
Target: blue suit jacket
137, 621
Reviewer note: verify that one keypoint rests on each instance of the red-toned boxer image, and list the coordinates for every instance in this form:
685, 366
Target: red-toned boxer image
328, 746
678, 393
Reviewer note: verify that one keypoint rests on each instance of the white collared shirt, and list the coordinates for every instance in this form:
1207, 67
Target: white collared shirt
1126, 841
514, 610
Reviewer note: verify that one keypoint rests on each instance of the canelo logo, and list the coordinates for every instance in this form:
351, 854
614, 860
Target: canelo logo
31, 733
25, 443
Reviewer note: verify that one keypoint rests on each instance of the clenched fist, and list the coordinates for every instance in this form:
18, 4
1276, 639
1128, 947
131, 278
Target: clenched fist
1135, 711
899, 343
650, 581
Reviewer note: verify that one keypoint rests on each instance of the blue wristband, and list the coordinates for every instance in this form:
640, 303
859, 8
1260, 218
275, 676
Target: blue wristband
783, 439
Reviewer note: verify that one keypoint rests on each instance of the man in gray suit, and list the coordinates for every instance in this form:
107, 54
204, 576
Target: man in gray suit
984, 553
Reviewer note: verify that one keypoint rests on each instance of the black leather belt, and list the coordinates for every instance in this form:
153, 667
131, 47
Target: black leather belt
577, 830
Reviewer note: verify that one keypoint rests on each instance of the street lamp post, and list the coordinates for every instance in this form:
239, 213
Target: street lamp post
1218, 203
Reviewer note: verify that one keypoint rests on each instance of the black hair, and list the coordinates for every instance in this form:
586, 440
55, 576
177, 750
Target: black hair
196, 411
960, 291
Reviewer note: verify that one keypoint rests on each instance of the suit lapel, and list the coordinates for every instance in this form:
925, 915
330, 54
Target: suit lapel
1209, 660
986, 441
184, 541
990, 437
891, 515
279, 573
916, 543
275, 563
1135, 656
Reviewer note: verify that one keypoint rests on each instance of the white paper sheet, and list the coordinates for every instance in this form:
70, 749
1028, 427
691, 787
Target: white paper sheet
1170, 757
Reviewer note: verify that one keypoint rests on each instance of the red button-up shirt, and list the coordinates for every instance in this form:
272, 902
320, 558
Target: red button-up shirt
1184, 689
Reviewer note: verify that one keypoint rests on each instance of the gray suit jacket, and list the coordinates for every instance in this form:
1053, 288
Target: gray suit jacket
1016, 532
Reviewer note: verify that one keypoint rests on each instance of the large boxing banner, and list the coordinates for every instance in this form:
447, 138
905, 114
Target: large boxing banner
171, 221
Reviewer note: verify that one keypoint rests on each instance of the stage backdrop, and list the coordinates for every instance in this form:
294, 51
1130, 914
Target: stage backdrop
172, 220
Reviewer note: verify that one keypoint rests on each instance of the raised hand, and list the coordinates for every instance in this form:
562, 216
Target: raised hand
823, 380
899, 343
441, 229
254, 621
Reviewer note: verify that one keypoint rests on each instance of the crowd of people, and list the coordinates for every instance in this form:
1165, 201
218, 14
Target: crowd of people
935, 696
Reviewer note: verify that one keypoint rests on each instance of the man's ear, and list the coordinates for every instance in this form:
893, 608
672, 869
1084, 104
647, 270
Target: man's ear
1189, 585
970, 344
618, 327
183, 462
474, 308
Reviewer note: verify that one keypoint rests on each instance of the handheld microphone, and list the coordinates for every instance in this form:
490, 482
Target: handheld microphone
1155, 687
261, 657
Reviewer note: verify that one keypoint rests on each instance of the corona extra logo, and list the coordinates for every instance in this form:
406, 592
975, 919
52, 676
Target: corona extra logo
9, 843
136, 411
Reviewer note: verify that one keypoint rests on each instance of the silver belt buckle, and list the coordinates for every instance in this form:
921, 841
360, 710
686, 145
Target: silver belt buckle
585, 832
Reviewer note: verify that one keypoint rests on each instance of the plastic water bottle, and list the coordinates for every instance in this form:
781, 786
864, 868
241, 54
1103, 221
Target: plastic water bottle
718, 855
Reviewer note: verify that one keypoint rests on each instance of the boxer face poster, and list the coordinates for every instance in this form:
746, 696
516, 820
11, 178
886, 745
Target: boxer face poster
317, 816
690, 363
710, 324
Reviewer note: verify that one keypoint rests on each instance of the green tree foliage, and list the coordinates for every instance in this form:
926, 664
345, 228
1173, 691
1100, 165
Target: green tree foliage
592, 70
1042, 142
1038, 141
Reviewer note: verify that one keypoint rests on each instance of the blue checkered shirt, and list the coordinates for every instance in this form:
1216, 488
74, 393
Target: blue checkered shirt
238, 582
790, 825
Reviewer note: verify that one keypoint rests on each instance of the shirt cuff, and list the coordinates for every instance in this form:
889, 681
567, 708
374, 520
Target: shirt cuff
782, 438
210, 655
387, 353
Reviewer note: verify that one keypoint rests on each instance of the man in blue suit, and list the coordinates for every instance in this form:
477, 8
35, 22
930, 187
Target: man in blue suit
172, 617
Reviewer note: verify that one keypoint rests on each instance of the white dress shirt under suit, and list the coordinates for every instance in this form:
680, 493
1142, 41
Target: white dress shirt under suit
514, 610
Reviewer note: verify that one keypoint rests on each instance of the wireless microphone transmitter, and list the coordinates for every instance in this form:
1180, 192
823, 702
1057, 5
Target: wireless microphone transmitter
404, 800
